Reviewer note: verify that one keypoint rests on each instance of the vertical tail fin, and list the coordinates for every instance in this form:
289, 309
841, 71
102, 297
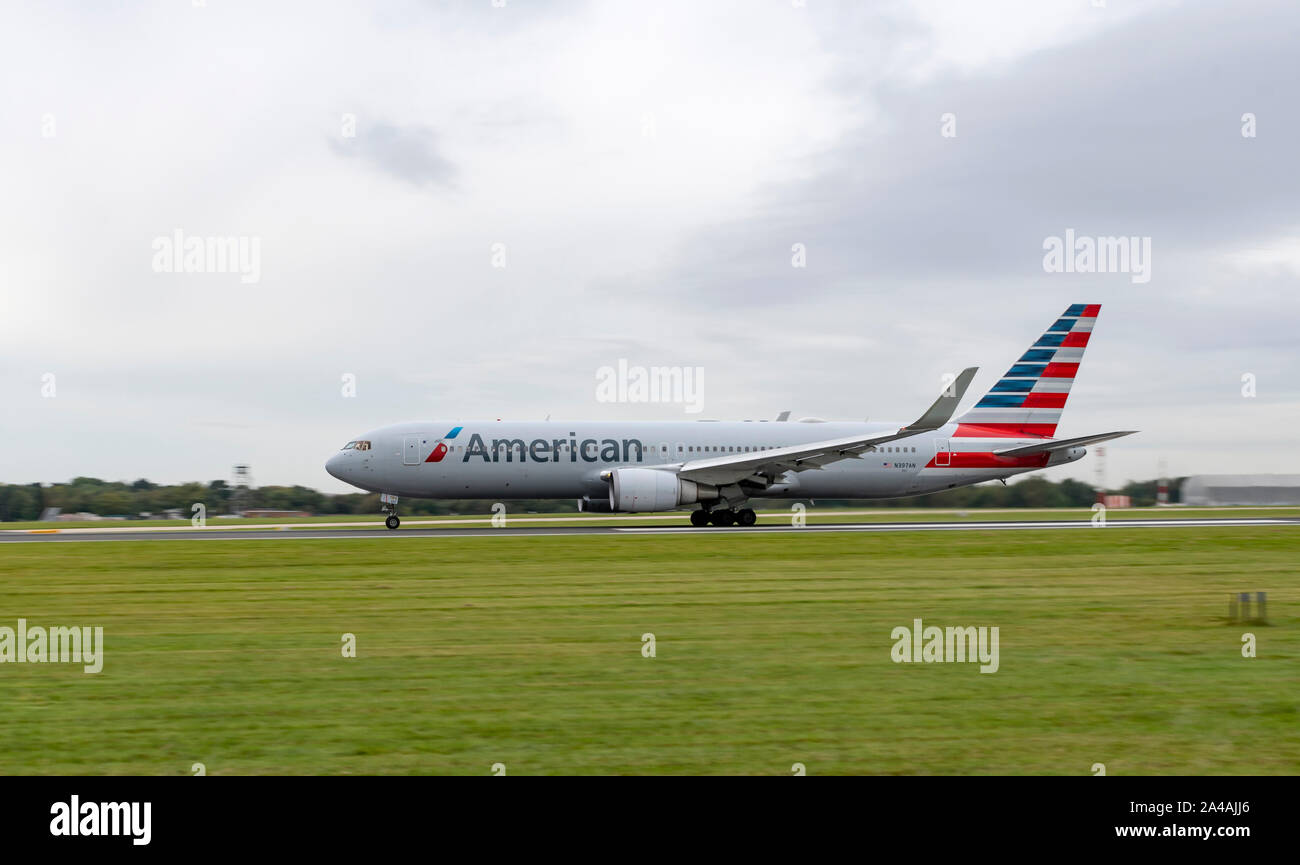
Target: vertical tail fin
1028, 400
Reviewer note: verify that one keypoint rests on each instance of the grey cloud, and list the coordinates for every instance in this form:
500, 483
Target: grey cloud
409, 153
1135, 131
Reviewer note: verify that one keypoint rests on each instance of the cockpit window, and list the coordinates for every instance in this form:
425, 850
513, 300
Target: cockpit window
349, 446
363, 446
357, 445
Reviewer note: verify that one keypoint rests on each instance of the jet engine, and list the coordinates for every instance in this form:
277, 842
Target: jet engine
641, 490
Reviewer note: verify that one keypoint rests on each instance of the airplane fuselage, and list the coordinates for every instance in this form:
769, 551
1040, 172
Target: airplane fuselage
549, 459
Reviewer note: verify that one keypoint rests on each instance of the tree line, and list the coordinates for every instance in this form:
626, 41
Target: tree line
117, 498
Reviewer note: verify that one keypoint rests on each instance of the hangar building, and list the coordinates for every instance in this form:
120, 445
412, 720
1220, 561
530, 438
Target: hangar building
1216, 490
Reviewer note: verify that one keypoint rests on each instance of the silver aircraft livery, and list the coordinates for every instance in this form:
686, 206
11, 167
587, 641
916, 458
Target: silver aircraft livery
716, 468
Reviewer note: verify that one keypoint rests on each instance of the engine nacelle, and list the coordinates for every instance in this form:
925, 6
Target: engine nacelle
641, 490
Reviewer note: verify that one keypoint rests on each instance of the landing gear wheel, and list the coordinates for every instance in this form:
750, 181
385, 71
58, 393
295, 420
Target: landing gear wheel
722, 518
746, 517
699, 518
392, 522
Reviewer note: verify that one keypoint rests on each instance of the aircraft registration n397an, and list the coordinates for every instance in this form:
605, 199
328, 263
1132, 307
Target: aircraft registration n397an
716, 467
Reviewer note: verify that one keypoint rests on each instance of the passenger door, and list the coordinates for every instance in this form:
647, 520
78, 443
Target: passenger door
411, 451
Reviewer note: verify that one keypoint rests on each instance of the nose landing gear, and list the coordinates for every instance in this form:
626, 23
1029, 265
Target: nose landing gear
388, 505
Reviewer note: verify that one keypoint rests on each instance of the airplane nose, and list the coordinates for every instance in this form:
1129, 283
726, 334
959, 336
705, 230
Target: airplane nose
334, 465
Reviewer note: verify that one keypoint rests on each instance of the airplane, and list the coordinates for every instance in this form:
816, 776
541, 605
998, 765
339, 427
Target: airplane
717, 468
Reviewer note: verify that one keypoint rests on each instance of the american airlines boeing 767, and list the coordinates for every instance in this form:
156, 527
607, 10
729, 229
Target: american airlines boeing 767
716, 468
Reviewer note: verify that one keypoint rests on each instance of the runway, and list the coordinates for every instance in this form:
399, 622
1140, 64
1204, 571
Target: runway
284, 534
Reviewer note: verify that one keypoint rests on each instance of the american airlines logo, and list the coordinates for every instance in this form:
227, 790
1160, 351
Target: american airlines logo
441, 450
571, 450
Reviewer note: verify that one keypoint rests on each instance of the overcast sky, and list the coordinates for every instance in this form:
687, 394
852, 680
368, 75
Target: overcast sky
647, 169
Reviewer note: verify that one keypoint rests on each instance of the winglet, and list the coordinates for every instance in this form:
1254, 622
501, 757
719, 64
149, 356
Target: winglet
941, 412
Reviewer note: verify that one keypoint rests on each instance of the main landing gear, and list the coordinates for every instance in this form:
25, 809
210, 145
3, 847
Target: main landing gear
388, 505
724, 517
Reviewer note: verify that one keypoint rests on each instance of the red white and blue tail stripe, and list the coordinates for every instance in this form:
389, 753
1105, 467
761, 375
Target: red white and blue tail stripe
1028, 400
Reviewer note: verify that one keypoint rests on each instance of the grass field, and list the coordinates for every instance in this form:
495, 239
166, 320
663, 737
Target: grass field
771, 650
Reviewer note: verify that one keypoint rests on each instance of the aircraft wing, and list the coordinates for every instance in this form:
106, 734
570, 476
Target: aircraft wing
1060, 444
764, 467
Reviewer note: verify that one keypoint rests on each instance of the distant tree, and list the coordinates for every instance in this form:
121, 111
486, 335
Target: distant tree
113, 502
1143, 493
18, 503
1077, 494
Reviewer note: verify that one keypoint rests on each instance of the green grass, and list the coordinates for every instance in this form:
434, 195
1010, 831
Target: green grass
814, 515
771, 650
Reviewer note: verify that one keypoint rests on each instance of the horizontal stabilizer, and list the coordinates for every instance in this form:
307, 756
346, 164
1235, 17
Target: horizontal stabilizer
1061, 444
